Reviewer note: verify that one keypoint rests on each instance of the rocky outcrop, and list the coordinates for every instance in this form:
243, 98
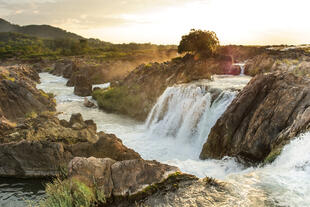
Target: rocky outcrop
138, 92
47, 127
42, 146
82, 86
18, 94
295, 60
267, 113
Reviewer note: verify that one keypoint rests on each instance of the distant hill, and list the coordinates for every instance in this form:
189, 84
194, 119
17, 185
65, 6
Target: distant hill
41, 31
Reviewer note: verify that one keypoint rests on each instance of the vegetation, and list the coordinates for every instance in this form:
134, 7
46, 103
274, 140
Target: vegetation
71, 193
29, 47
199, 42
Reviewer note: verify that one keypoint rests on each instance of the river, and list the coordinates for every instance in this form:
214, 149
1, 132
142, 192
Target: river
175, 131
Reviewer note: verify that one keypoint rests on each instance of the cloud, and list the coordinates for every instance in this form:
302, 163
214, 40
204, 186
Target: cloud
83, 13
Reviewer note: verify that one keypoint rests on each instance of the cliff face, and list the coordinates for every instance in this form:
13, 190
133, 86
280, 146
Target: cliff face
267, 113
138, 92
18, 93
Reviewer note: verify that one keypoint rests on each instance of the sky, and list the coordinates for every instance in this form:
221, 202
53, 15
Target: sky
251, 22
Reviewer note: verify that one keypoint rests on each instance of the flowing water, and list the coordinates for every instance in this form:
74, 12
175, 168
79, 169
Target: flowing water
176, 129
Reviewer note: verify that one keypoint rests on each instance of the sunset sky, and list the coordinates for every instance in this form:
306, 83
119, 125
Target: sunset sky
165, 21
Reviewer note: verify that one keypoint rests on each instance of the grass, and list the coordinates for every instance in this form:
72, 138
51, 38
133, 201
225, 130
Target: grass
69, 193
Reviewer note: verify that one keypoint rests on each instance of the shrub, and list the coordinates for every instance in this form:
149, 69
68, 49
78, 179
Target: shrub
68, 193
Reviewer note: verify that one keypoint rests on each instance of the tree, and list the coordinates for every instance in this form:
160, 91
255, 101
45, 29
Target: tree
204, 43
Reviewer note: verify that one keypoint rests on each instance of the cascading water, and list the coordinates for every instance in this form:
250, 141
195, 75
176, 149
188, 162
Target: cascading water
242, 67
187, 113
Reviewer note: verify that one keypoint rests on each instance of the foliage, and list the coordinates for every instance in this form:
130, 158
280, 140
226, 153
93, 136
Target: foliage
27, 47
203, 43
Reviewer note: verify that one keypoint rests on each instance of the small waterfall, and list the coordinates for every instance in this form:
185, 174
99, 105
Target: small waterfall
242, 67
188, 112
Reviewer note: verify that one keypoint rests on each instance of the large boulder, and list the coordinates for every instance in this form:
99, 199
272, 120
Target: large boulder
265, 115
82, 86
123, 178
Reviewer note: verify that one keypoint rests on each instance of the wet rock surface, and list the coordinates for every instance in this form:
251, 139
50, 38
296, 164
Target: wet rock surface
266, 114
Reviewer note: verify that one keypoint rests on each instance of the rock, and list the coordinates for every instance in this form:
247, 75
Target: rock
123, 178
96, 88
295, 61
32, 159
49, 128
64, 68
19, 95
108, 145
41, 146
234, 70
76, 118
269, 111
88, 103
82, 86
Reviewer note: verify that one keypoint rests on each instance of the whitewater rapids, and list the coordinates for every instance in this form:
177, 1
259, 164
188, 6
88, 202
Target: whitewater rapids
179, 124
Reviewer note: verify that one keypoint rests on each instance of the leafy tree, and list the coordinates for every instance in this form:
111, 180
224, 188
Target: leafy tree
204, 43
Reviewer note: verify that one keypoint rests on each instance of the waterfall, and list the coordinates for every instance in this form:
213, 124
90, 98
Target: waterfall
242, 67
188, 112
